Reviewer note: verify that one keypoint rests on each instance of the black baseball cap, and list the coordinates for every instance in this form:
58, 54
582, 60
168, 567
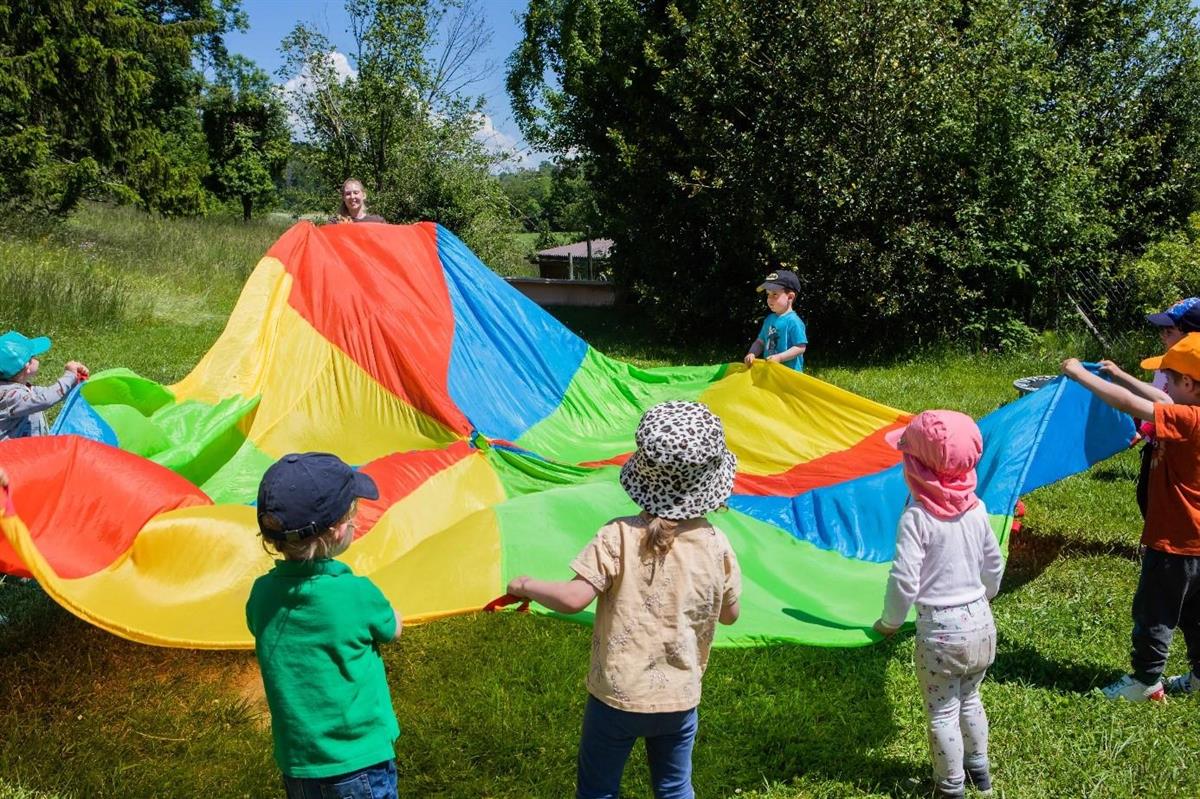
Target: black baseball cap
781, 280
307, 493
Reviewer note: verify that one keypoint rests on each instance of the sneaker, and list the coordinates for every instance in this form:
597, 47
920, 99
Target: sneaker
1134, 690
1182, 684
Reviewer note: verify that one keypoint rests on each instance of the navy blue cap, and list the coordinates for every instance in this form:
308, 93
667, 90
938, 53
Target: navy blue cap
781, 280
1189, 320
307, 493
1171, 316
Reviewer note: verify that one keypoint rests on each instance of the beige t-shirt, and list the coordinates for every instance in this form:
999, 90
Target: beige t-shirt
655, 622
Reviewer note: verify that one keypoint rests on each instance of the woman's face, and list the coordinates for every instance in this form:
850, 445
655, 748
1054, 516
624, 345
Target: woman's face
354, 197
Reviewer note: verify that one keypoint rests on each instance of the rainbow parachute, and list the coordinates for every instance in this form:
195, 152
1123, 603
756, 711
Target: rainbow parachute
494, 434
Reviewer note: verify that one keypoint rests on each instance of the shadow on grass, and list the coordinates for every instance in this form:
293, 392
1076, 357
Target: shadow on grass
1113, 473
808, 711
1030, 553
90, 714
628, 334
513, 709
1026, 665
489, 706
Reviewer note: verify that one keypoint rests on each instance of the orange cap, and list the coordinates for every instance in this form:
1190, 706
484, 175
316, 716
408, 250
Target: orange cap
1183, 357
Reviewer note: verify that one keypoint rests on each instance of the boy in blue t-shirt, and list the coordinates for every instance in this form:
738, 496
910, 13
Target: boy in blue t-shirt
783, 338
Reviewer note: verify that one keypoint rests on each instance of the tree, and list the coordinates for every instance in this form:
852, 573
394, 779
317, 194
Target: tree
245, 126
972, 158
528, 191
399, 121
99, 95
572, 203
552, 196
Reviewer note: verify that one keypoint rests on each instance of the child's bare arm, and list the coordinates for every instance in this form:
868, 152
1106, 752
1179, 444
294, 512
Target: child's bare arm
399, 624
1128, 381
564, 596
730, 612
1114, 396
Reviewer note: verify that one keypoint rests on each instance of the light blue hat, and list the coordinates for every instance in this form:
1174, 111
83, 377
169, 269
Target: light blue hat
16, 350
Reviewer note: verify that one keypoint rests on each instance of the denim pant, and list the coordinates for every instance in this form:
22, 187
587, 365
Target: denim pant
955, 646
373, 782
608, 737
1167, 596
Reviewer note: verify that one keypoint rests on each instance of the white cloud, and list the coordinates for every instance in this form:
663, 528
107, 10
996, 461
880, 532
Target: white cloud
303, 84
516, 153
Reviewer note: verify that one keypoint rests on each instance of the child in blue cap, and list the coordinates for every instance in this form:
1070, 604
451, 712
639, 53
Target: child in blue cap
317, 629
22, 405
1173, 324
782, 338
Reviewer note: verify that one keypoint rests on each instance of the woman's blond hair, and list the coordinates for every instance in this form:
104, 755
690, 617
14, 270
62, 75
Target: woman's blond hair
317, 547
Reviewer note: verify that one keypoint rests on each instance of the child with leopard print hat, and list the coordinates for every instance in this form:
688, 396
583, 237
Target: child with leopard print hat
663, 579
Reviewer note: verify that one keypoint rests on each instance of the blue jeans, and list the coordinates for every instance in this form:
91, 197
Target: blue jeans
373, 782
608, 737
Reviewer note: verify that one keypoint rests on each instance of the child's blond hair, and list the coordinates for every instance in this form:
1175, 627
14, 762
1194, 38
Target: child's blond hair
317, 547
660, 533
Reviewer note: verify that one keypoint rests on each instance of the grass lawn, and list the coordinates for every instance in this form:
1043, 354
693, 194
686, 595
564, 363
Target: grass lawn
491, 705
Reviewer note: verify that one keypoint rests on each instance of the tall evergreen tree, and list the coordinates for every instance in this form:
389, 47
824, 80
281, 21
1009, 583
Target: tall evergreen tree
245, 126
100, 94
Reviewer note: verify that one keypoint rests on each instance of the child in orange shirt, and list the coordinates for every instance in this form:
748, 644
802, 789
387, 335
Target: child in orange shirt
1168, 592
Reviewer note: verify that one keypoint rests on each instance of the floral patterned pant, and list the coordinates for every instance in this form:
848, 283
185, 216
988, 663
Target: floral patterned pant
955, 646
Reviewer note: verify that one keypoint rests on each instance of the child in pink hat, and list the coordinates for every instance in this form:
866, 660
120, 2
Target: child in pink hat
949, 565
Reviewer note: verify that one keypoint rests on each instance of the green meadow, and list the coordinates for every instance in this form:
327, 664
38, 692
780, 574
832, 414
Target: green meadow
491, 705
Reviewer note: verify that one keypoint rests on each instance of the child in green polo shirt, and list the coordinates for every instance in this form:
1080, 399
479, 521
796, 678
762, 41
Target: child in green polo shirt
317, 629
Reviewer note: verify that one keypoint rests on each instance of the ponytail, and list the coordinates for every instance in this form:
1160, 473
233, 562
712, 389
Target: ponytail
660, 535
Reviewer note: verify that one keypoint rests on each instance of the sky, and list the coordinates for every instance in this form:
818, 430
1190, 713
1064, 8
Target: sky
271, 20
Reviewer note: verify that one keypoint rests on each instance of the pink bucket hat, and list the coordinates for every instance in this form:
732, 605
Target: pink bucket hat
941, 450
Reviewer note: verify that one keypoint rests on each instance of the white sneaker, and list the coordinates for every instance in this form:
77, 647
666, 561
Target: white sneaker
1134, 690
1182, 684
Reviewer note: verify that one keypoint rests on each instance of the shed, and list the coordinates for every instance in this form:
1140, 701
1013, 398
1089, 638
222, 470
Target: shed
578, 260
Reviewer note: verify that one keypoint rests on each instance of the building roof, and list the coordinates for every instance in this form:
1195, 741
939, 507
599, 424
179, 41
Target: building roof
579, 249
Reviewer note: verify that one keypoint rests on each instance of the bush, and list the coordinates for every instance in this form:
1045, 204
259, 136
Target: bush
1168, 271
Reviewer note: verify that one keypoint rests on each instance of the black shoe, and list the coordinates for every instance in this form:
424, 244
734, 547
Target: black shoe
981, 779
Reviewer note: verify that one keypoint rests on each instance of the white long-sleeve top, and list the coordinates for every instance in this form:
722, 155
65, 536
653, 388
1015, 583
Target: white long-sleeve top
941, 562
